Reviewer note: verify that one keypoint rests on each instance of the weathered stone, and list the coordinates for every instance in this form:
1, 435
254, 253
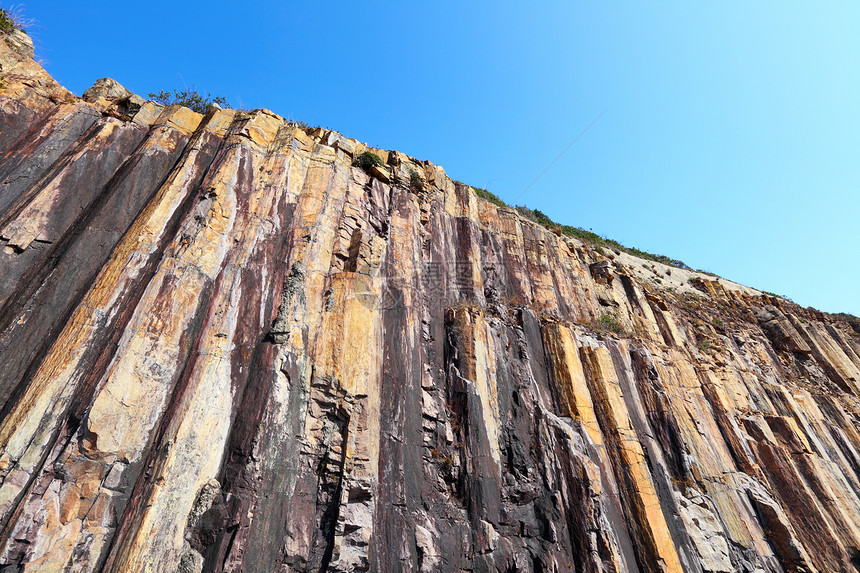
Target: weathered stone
106, 88
780, 331
707, 534
380, 173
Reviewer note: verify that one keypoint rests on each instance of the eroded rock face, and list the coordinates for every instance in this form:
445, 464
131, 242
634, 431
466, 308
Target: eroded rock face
222, 348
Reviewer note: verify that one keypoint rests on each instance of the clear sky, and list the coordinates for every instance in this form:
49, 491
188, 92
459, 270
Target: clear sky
730, 138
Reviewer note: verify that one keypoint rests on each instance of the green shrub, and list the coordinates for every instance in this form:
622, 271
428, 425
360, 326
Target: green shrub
543, 219
367, 160
189, 98
609, 322
852, 321
593, 238
589, 237
484, 194
416, 182
526, 212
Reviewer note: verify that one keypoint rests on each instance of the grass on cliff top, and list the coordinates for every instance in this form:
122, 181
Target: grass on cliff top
578, 232
489, 197
13, 18
847, 316
852, 321
593, 238
7, 22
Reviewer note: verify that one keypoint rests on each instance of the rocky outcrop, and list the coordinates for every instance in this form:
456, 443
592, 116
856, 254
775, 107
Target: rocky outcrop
223, 348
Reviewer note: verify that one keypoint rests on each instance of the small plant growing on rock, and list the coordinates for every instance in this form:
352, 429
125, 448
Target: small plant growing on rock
447, 464
609, 322
367, 160
446, 461
190, 98
416, 182
13, 19
7, 25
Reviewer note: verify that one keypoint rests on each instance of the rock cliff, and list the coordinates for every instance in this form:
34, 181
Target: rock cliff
223, 348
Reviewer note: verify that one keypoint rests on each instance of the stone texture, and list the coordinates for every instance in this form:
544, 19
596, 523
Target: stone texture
222, 348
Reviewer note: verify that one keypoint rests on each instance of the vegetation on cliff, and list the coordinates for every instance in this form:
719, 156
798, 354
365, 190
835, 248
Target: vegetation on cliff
6, 23
12, 19
367, 161
851, 320
189, 97
578, 232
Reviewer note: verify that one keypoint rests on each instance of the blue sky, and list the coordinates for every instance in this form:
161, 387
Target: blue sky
730, 138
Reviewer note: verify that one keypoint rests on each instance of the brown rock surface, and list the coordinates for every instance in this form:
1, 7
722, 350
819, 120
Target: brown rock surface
222, 348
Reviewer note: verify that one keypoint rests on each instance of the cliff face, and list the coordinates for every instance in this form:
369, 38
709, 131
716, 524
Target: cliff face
223, 348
